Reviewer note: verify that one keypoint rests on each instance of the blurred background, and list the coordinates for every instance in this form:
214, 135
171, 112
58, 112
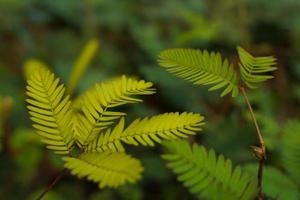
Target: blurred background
130, 35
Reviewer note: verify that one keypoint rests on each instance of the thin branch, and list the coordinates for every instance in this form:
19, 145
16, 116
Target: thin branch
51, 185
260, 151
260, 195
259, 135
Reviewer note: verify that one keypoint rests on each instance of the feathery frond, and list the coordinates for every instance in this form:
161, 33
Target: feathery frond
88, 123
253, 69
95, 104
147, 131
76, 126
290, 149
207, 175
106, 168
201, 67
110, 140
50, 111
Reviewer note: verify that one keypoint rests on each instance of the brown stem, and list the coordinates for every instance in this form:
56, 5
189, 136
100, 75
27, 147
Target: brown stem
260, 151
51, 185
260, 195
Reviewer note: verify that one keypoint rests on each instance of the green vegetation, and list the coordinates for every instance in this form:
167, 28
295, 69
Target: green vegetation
90, 44
102, 158
208, 68
208, 175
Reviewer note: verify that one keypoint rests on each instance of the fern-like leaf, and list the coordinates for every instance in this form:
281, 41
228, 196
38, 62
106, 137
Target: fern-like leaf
50, 111
253, 69
95, 104
106, 169
110, 140
147, 131
207, 175
201, 68
290, 149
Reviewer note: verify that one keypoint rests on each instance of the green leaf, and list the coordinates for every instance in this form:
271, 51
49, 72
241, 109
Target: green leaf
253, 69
202, 68
290, 149
275, 183
206, 174
147, 131
106, 168
96, 103
50, 111
82, 63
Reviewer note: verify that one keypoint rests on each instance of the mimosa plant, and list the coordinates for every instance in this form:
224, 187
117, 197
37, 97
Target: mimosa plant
89, 133
203, 173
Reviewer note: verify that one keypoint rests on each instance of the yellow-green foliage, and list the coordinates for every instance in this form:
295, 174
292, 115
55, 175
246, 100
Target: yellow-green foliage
107, 169
253, 68
81, 64
50, 111
146, 131
204, 68
201, 68
90, 126
95, 104
206, 175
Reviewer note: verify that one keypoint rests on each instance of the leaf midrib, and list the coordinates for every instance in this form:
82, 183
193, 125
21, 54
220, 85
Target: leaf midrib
220, 75
54, 114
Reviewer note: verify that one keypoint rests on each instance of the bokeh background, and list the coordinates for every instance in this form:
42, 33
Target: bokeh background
131, 34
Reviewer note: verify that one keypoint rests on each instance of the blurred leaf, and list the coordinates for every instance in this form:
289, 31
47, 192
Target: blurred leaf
28, 153
290, 149
32, 65
201, 30
275, 183
82, 63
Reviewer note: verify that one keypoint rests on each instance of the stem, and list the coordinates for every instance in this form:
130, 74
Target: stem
260, 151
260, 195
259, 135
51, 185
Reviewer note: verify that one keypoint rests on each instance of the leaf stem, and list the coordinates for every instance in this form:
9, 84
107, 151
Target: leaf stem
58, 177
260, 151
